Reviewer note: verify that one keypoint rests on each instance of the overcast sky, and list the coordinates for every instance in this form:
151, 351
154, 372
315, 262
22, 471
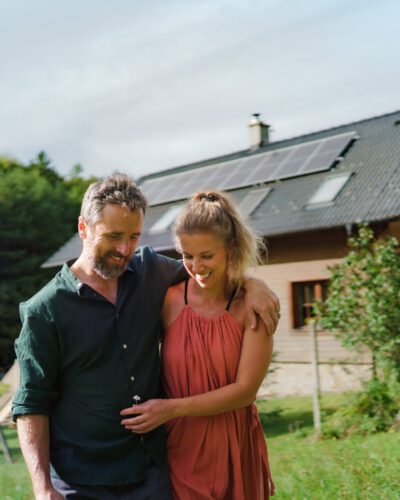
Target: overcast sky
140, 86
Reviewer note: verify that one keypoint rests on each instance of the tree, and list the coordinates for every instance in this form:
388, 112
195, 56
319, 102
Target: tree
38, 213
362, 307
363, 303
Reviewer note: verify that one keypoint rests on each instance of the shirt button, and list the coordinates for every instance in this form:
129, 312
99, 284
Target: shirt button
124, 346
132, 378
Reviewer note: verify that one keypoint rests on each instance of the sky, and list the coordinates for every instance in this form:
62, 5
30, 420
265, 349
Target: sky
138, 87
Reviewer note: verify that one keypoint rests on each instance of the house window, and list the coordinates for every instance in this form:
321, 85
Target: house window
253, 200
328, 190
304, 295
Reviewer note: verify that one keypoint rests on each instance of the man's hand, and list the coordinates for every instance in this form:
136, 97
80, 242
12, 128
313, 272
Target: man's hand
260, 300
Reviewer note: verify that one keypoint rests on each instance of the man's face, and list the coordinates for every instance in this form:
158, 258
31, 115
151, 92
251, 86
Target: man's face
110, 242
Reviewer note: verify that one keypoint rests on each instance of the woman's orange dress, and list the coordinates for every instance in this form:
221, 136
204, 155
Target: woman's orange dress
222, 457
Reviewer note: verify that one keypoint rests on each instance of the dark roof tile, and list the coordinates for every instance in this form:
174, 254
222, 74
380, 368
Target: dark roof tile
371, 194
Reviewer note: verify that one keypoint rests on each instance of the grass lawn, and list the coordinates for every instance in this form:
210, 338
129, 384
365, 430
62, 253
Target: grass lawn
14, 481
365, 468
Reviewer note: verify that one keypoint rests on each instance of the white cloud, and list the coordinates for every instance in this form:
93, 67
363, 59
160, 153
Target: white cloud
144, 86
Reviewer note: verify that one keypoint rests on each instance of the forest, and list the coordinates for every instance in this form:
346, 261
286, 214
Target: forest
38, 214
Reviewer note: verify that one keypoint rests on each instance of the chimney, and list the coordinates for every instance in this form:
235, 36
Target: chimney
259, 132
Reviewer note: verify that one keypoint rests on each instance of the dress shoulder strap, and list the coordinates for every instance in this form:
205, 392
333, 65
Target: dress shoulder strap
186, 290
233, 294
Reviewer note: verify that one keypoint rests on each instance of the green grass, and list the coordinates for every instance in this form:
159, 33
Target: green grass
14, 480
303, 468
3, 388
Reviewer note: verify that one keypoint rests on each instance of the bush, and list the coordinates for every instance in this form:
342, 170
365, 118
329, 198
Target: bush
375, 409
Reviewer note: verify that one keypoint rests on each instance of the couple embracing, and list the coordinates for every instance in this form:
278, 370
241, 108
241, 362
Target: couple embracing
95, 392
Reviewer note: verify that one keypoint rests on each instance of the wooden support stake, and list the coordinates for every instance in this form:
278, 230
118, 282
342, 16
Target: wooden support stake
315, 375
4, 446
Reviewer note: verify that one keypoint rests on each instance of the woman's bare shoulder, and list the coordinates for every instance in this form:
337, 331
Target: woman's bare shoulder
176, 291
173, 304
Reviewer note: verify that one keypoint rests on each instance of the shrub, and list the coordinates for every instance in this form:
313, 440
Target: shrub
375, 409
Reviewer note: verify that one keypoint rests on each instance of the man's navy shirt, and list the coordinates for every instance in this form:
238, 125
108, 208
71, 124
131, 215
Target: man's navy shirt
83, 359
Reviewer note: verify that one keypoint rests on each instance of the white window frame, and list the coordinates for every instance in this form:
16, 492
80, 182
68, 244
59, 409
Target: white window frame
328, 191
252, 207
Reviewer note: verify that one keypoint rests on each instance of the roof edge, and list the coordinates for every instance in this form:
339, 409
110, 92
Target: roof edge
234, 155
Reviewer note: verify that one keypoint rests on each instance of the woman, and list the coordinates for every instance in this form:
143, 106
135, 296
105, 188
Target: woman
213, 363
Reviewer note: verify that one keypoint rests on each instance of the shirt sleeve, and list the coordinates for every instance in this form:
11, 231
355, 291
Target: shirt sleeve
38, 356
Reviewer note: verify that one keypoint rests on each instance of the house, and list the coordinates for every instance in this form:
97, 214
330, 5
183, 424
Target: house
305, 195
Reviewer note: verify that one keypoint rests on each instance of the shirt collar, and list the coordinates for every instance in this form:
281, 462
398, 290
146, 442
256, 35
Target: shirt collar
134, 267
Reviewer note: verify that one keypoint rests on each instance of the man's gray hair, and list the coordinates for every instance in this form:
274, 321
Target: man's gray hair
116, 189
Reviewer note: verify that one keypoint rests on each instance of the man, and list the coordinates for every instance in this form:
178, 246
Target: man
89, 348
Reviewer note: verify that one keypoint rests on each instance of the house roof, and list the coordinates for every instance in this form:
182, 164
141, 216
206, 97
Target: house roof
371, 194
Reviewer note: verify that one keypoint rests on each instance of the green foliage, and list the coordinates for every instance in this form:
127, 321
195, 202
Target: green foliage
363, 300
3, 388
362, 308
15, 483
356, 467
38, 213
370, 411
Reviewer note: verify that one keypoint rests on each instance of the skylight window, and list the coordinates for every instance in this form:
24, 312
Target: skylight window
166, 220
329, 190
253, 200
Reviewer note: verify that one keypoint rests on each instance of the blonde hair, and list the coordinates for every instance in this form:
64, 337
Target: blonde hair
214, 212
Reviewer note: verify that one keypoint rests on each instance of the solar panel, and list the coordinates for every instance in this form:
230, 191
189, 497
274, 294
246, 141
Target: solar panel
243, 168
294, 161
226, 171
167, 187
194, 181
268, 166
331, 148
150, 188
320, 162
189, 182
209, 177
312, 156
338, 142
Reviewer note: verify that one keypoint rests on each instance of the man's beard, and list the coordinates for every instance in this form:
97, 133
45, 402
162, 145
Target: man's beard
106, 270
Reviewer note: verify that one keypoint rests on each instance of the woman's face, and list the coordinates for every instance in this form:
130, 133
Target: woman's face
205, 257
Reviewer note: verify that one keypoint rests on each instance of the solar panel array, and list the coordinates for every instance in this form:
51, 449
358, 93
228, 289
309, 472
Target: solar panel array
305, 158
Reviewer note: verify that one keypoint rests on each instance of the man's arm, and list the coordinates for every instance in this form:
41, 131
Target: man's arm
33, 433
38, 356
170, 271
261, 300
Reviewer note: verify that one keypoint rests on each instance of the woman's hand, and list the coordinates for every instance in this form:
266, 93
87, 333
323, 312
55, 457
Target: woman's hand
148, 416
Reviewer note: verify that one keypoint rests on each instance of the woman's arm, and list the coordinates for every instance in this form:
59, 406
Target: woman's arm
253, 365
